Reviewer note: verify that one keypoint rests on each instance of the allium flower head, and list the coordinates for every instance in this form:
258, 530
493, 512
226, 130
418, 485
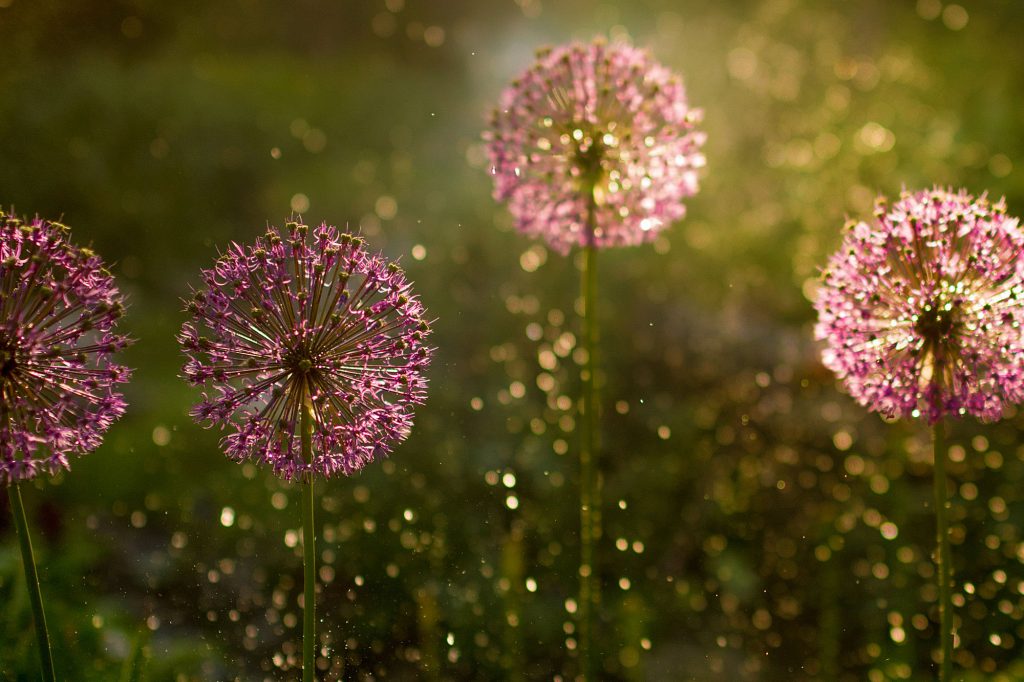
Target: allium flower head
922, 309
58, 308
307, 321
595, 144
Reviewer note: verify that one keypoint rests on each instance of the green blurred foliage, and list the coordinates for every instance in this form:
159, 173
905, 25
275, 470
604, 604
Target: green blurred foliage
758, 525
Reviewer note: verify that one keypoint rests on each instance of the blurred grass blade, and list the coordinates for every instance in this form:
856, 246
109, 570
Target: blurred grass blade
135, 663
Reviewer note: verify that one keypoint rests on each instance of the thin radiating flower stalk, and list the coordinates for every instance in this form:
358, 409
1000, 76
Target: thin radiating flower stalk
921, 313
595, 145
315, 350
58, 309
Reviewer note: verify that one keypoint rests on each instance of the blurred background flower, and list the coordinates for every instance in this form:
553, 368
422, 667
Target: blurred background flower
759, 524
594, 144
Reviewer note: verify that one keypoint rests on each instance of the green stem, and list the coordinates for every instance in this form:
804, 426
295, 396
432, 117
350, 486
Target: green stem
32, 582
136, 661
309, 555
942, 554
829, 627
590, 518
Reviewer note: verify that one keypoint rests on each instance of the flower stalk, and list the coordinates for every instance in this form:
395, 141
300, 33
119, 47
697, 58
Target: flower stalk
942, 556
590, 518
32, 582
309, 553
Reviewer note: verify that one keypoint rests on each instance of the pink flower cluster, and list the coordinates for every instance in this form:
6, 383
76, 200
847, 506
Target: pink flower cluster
595, 144
922, 310
58, 309
307, 320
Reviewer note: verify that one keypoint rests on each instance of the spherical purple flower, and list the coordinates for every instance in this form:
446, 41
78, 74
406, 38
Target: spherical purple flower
314, 322
58, 309
921, 311
595, 144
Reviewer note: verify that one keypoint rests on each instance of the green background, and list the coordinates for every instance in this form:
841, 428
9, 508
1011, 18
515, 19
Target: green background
758, 524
